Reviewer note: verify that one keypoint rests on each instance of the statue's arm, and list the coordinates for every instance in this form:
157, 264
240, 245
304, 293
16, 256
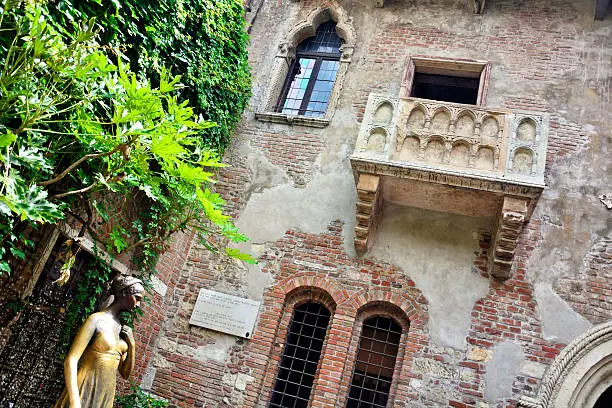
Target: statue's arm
71, 363
128, 360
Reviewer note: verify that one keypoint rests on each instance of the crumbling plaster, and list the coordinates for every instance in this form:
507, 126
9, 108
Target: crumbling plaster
573, 218
276, 205
572, 187
504, 365
559, 322
329, 196
436, 250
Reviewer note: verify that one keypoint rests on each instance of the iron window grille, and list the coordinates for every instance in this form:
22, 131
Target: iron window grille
376, 355
312, 73
300, 358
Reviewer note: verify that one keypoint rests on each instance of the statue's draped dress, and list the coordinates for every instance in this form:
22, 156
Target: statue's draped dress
97, 373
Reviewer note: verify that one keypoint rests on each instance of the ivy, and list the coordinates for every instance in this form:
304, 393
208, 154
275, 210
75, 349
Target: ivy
104, 135
204, 41
84, 301
137, 398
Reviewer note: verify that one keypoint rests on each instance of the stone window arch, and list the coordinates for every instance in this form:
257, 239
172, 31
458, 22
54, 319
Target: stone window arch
312, 74
377, 354
580, 374
285, 60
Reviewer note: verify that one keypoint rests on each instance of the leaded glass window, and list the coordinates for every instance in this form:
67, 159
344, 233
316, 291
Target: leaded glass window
312, 74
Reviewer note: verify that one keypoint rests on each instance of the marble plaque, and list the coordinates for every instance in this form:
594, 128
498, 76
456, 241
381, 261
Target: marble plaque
225, 313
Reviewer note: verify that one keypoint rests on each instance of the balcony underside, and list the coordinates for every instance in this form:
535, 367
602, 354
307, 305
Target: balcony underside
507, 206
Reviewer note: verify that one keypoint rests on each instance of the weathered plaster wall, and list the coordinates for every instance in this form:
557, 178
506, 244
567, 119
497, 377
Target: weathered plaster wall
437, 251
481, 342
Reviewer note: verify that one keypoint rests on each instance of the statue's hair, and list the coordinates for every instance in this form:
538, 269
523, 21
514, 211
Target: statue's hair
124, 285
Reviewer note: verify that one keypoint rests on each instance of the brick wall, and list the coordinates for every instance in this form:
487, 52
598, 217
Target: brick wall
508, 312
529, 40
155, 308
590, 293
294, 152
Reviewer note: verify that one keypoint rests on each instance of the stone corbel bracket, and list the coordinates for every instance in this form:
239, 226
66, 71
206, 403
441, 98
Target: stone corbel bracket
369, 199
513, 214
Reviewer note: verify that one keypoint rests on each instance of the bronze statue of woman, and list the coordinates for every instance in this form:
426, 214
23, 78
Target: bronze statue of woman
101, 347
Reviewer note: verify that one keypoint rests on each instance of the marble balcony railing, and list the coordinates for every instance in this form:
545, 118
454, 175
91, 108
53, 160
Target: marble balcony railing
484, 143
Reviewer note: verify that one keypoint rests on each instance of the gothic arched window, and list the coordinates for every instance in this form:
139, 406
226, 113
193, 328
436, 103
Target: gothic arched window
376, 355
312, 74
300, 358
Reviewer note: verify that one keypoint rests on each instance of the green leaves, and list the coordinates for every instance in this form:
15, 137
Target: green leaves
137, 398
7, 139
31, 204
130, 155
204, 41
118, 239
167, 148
235, 253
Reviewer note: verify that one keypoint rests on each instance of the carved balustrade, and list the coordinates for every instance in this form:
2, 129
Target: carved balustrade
485, 143
498, 152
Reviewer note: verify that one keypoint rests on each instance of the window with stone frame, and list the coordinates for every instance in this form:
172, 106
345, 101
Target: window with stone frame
300, 357
312, 74
309, 68
376, 357
445, 79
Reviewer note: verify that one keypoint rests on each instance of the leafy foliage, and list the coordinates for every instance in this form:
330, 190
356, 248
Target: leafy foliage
86, 138
202, 40
138, 399
84, 301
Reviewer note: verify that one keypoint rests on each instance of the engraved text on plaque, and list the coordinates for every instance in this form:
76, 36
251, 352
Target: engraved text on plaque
225, 313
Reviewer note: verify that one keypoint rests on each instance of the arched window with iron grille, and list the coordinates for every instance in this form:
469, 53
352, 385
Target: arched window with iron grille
311, 77
373, 372
300, 358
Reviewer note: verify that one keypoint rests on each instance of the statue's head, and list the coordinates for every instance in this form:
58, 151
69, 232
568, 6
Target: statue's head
128, 291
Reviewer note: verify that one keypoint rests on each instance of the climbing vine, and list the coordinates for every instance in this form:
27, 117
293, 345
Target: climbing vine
137, 398
100, 135
87, 293
204, 41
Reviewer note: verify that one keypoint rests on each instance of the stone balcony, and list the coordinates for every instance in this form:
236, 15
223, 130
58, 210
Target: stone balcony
454, 158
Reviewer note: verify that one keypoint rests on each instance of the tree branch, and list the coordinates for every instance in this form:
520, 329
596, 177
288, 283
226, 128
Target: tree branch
78, 162
82, 221
82, 190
